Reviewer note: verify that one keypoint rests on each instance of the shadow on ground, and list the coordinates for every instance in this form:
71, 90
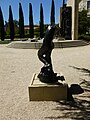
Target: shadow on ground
78, 109
84, 83
84, 70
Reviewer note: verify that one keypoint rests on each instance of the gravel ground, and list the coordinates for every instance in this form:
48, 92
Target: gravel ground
17, 68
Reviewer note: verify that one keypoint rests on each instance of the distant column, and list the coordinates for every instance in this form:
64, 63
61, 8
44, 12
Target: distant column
75, 6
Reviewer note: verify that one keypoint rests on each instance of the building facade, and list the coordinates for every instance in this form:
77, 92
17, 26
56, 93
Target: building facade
85, 4
75, 6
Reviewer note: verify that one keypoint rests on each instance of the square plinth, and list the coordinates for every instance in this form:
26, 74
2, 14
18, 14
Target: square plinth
39, 91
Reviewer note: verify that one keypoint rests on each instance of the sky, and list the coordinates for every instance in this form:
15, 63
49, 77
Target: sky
4, 4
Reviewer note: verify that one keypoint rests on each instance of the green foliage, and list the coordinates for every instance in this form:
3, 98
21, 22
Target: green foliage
41, 22
84, 37
84, 22
11, 24
52, 13
2, 31
7, 30
21, 21
37, 32
31, 30
5, 42
16, 27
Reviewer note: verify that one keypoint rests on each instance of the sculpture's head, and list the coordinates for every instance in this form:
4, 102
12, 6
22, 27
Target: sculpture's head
51, 27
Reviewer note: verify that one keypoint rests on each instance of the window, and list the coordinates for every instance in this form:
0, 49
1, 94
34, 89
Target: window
88, 4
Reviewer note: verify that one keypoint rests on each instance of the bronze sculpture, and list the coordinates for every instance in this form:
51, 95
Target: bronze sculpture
47, 74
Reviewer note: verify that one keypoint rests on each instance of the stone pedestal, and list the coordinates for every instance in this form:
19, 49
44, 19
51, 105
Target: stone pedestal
39, 91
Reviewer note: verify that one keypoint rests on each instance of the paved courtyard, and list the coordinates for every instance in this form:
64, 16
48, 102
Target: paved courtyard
16, 69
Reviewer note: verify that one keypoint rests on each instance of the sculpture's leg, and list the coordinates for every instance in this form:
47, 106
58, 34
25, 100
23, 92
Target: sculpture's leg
48, 59
41, 55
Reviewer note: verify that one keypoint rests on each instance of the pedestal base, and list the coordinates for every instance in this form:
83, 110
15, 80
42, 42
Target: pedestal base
39, 91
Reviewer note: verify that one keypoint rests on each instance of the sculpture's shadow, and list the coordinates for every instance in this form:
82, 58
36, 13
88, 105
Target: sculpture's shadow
74, 89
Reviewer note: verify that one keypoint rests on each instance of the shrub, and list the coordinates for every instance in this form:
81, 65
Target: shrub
84, 37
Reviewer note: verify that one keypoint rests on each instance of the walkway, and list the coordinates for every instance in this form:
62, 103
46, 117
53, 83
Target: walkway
16, 69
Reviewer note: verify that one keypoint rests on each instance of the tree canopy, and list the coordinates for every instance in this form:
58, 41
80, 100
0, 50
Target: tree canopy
52, 13
41, 22
21, 21
11, 24
31, 26
2, 31
84, 22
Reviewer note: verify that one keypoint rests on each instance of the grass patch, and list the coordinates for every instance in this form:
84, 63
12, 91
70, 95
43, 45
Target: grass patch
5, 42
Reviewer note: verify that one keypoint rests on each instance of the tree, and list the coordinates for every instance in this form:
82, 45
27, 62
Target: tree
31, 26
16, 27
41, 22
21, 21
2, 31
11, 24
84, 22
52, 13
